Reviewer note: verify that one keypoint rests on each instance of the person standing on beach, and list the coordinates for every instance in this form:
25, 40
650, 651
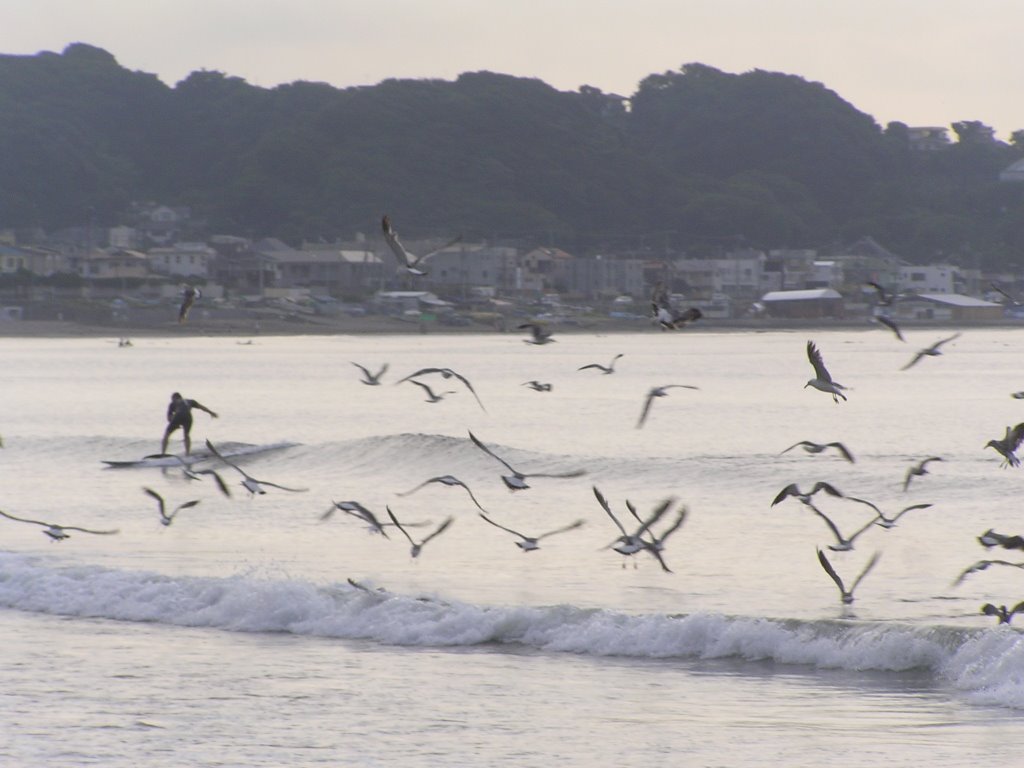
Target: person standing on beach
179, 415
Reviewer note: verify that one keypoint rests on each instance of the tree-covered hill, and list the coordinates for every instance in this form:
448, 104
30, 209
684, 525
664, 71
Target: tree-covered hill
696, 159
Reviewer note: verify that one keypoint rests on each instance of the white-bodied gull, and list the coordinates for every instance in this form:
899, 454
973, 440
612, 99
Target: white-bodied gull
406, 259
250, 483
517, 480
530, 543
822, 380
58, 532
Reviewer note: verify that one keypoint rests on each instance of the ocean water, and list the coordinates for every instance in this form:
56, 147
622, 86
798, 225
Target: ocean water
234, 637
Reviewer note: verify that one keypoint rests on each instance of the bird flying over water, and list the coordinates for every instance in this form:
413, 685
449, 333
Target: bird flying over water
843, 543
539, 335
372, 379
654, 392
58, 532
517, 480
530, 543
446, 373
1008, 446
606, 369
537, 386
846, 595
889, 323
448, 480
432, 397
918, 470
1005, 615
933, 351
406, 259
822, 380
357, 510
418, 547
805, 496
167, 519
982, 565
250, 483
992, 539
811, 447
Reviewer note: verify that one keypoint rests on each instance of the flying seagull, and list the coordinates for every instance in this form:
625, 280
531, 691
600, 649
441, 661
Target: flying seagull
446, 373
194, 474
530, 543
630, 543
933, 351
372, 379
810, 447
982, 565
805, 496
167, 519
846, 594
992, 539
357, 510
188, 297
1005, 616
885, 298
606, 369
406, 259
432, 397
55, 531
250, 483
890, 522
822, 379
654, 392
672, 321
1010, 298
448, 480
918, 470
539, 335
843, 543
416, 548
537, 386
889, 323
517, 480
1008, 445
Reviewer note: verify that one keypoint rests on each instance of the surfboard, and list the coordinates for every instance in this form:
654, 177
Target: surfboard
168, 460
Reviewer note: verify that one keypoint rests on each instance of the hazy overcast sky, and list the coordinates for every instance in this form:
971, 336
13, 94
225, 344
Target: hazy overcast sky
923, 62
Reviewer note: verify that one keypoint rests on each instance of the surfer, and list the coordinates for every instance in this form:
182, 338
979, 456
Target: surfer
179, 414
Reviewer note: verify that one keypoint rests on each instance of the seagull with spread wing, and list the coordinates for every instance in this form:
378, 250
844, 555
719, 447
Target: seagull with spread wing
517, 480
605, 369
446, 373
1008, 446
812, 447
846, 595
933, 351
371, 379
918, 470
822, 380
406, 259
418, 547
58, 532
530, 543
250, 483
654, 392
448, 480
167, 519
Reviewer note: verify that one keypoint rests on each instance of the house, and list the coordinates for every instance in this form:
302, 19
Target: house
542, 270
467, 265
114, 264
948, 307
803, 304
187, 260
329, 268
598, 277
928, 278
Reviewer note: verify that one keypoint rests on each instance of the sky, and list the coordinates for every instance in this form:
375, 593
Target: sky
921, 62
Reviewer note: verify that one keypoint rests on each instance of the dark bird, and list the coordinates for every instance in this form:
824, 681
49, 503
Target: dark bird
890, 522
58, 532
432, 397
446, 373
357, 510
810, 447
250, 483
610, 368
846, 595
982, 565
167, 519
1010, 298
538, 333
991, 539
537, 386
1017, 395
933, 351
805, 496
189, 296
889, 323
654, 392
1008, 446
1005, 616
406, 259
517, 480
918, 470
822, 379
530, 543
672, 321
418, 547
372, 379
843, 543
885, 298
448, 480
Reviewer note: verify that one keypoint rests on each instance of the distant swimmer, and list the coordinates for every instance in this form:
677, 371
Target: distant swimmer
188, 298
179, 415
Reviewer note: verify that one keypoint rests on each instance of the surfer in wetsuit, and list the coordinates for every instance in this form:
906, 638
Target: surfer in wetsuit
179, 414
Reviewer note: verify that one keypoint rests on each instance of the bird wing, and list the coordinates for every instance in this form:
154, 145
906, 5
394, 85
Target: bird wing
490, 453
159, 500
680, 519
366, 373
867, 569
820, 371
499, 525
592, 365
646, 409
916, 357
398, 525
426, 388
868, 503
465, 381
425, 256
687, 316
217, 479
391, 238
828, 488
472, 496
24, 520
789, 490
186, 505
656, 515
828, 522
844, 451
883, 297
831, 571
572, 473
563, 529
438, 531
797, 445
217, 453
891, 325
903, 511
940, 342
604, 505
1014, 437
648, 547
87, 530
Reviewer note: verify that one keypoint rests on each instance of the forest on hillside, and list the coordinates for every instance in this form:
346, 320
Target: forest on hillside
697, 160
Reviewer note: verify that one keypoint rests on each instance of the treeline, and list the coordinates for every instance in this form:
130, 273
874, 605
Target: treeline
697, 160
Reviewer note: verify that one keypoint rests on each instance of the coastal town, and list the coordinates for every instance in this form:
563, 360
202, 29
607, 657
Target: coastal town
132, 276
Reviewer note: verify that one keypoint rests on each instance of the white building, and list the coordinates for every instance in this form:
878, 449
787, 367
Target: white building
932, 278
182, 260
